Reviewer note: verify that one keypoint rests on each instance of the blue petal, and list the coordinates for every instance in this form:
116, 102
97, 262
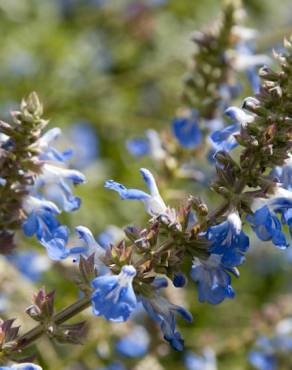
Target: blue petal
30, 225
138, 147
187, 132
126, 193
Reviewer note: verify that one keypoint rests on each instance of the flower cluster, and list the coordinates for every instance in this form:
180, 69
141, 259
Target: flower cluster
35, 183
224, 49
116, 278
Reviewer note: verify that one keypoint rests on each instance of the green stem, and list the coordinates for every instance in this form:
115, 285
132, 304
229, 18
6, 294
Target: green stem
59, 318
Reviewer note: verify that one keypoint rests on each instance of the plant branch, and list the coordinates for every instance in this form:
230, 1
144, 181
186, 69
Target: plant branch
59, 318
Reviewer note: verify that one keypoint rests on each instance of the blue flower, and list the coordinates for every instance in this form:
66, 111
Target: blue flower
48, 152
56, 242
138, 147
55, 182
134, 344
51, 186
284, 176
153, 202
228, 240
187, 132
114, 296
263, 361
23, 366
85, 144
163, 312
205, 362
149, 145
224, 139
213, 279
40, 217
31, 264
267, 226
41, 222
89, 247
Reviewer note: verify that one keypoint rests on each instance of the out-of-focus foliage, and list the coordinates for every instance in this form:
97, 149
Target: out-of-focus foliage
117, 65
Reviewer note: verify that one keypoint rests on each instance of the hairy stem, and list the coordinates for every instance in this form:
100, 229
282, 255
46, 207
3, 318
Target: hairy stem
59, 318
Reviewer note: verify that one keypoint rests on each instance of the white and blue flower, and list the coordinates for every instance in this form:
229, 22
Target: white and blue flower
267, 226
149, 145
52, 187
224, 139
163, 312
41, 221
114, 296
54, 181
88, 247
213, 279
153, 202
228, 240
265, 222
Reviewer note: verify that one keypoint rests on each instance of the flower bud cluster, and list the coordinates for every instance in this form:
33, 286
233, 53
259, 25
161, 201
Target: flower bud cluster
34, 181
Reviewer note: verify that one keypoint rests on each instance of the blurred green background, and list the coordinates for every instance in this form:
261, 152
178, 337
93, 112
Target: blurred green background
118, 65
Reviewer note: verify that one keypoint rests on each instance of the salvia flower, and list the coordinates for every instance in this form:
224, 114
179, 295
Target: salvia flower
213, 279
135, 343
228, 240
187, 131
114, 296
153, 202
88, 247
50, 194
284, 176
224, 139
55, 183
150, 145
267, 226
265, 221
163, 312
47, 151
